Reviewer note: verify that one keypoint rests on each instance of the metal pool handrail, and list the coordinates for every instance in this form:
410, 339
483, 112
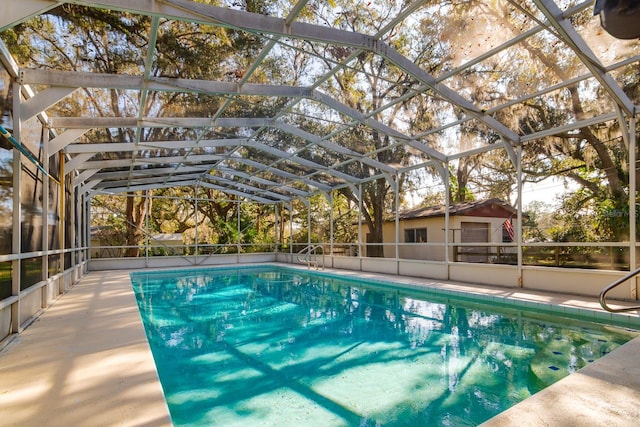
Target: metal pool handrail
615, 284
308, 252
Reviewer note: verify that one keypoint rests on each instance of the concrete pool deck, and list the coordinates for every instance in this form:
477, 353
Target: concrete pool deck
86, 362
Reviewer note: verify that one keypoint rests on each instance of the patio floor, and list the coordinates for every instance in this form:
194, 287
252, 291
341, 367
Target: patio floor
86, 362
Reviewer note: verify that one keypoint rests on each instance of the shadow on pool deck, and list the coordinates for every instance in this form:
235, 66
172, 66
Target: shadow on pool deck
86, 362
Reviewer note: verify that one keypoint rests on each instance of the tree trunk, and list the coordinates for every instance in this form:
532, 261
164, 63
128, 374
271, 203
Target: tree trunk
135, 213
375, 237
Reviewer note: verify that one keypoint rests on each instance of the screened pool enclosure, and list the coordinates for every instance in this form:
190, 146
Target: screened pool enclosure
370, 136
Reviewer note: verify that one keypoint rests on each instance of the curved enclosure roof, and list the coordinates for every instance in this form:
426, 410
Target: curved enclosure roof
309, 96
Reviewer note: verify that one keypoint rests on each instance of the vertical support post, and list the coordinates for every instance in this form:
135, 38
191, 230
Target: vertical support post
86, 200
308, 203
45, 205
16, 244
61, 202
360, 223
519, 218
447, 228
239, 231
291, 229
75, 231
73, 211
82, 231
397, 223
195, 233
83, 227
45, 216
276, 226
331, 230
147, 235
632, 205
78, 229
87, 225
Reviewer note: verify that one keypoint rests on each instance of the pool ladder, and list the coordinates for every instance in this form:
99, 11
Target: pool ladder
615, 284
309, 256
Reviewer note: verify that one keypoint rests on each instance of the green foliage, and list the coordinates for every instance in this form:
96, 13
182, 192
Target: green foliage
575, 219
612, 219
536, 223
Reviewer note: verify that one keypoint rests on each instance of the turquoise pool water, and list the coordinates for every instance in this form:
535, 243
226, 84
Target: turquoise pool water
270, 346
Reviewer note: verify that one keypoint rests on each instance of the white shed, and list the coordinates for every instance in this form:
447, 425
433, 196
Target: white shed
422, 232
171, 243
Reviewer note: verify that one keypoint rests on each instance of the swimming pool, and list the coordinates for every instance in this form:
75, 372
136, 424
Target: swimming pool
276, 346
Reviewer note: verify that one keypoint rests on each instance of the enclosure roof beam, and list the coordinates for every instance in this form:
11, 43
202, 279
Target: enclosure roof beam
282, 173
43, 100
112, 81
124, 189
212, 143
243, 187
236, 193
262, 24
570, 127
569, 35
11, 66
76, 79
258, 60
334, 147
10, 15
77, 162
144, 92
116, 147
84, 176
358, 116
178, 160
227, 164
85, 188
106, 147
151, 173
283, 155
65, 139
147, 180
252, 22
127, 122
80, 162
263, 181
148, 172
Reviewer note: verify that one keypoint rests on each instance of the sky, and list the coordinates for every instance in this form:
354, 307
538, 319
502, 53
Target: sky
545, 191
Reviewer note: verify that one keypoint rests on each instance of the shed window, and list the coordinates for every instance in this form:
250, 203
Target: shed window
415, 235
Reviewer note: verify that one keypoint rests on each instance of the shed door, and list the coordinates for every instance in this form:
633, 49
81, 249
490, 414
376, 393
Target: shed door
474, 232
